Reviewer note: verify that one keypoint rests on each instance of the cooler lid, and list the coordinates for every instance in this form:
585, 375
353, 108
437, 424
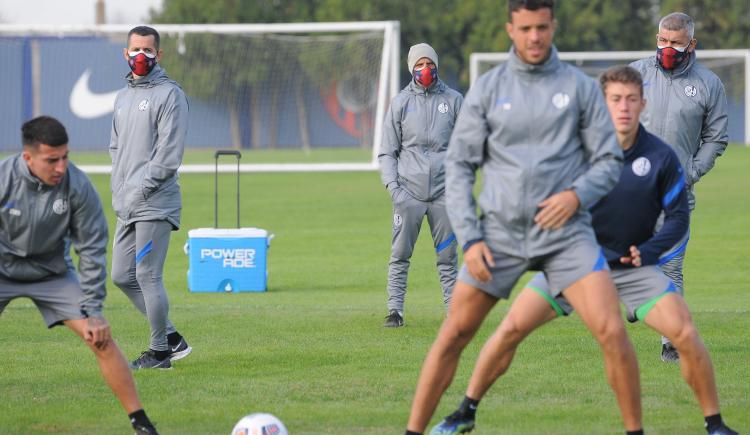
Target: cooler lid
228, 232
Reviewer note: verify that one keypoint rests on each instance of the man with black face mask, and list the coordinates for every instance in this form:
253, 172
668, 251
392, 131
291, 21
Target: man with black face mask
148, 140
687, 109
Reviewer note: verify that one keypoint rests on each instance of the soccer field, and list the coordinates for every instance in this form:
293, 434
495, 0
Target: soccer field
313, 351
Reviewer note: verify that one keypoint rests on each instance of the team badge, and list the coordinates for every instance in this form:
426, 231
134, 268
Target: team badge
504, 103
143, 105
561, 100
443, 108
691, 91
60, 206
397, 220
641, 166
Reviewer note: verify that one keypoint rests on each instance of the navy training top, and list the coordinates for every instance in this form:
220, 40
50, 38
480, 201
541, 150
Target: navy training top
651, 181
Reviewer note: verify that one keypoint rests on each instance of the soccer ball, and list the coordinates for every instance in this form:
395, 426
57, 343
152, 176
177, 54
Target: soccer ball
259, 424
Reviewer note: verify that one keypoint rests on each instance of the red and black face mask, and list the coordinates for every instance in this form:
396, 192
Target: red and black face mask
425, 76
671, 57
141, 63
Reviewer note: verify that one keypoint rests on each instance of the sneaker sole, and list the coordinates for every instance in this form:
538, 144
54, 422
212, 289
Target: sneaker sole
181, 354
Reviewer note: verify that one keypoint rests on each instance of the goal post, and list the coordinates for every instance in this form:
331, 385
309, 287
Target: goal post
732, 67
318, 88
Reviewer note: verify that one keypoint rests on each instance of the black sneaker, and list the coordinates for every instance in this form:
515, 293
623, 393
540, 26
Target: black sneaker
393, 320
455, 423
148, 360
669, 353
722, 430
180, 350
143, 429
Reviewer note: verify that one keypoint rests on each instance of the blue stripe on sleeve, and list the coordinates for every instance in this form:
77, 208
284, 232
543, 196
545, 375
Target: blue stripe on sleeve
674, 192
145, 250
447, 242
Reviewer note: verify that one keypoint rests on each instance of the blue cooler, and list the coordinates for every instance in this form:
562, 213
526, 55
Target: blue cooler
227, 260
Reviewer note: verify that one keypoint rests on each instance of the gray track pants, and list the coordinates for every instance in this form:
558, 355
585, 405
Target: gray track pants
675, 259
138, 257
408, 214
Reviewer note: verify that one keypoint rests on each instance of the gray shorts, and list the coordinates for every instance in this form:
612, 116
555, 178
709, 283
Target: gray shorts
563, 267
57, 298
638, 289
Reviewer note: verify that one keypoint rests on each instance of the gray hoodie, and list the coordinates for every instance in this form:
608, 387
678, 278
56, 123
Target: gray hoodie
416, 132
534, 130
36, 218
687, 109
148, 139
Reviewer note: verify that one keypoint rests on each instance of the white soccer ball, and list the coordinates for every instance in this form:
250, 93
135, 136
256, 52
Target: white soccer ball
259, 424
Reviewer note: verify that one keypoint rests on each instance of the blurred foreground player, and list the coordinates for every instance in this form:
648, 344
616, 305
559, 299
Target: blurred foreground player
539, 131
651, 183
43, 201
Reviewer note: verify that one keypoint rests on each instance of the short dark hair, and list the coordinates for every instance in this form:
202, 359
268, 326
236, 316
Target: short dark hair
532, 5
144, 31
43, 130
621, 74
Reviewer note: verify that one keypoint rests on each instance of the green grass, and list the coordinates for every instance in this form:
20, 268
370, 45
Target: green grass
312, 350
204, 156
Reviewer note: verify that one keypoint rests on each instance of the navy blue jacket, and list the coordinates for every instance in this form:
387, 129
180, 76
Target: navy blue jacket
652, 180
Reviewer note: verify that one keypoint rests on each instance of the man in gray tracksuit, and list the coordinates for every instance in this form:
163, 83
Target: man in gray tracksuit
147, 144
541, 134
687, 109
44, 203
417, 129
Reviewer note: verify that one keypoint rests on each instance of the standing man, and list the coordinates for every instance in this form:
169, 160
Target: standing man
651, 183
687, 109
44, 200
539, 130
417, 129
148, 140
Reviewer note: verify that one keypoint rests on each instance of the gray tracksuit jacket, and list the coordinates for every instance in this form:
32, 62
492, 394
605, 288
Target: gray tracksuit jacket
687, 109
534, 130
147, 143
35, 220
416, 132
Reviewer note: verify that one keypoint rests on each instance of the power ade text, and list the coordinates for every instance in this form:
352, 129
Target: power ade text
234, 258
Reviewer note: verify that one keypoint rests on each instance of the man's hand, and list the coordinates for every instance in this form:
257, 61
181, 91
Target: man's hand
477, 258
98, 332
557, 209
634, 259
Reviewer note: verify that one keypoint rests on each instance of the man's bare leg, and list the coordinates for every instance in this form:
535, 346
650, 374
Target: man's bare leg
469, 306
671, 318
114, 368
595, 299
528, 312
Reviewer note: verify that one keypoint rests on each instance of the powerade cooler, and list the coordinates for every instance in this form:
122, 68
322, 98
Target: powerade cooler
224, 259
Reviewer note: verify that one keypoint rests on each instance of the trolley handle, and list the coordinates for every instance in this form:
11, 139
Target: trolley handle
217, 154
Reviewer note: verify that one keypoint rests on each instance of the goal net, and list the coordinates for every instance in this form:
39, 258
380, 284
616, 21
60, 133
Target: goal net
306, 96
732, 67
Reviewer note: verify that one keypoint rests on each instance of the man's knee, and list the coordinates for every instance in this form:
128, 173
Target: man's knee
121, 277
512, 331
687, 335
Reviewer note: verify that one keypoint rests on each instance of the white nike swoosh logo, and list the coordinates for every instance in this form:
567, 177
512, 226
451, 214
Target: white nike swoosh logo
86, 104
174, 349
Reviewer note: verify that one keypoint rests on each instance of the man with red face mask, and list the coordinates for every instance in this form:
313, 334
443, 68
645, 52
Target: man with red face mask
417, 128
687, 109
148, 140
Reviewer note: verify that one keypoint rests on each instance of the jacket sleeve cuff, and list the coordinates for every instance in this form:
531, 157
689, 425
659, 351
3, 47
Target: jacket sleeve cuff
471, 243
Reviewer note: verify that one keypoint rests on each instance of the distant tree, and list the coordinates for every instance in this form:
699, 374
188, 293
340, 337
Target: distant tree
719, 24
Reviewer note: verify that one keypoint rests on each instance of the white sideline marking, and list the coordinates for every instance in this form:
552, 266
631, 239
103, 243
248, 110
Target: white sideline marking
255, 167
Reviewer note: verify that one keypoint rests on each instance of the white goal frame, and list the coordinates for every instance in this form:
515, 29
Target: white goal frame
577, 56
388, 78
